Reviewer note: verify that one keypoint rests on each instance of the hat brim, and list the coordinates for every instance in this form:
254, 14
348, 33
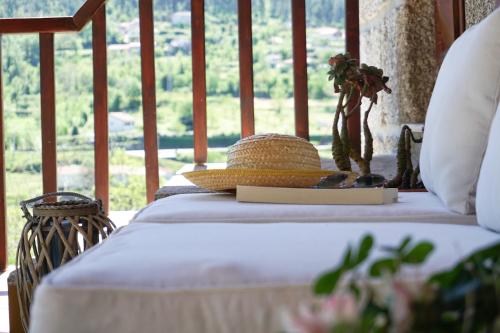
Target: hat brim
228, 179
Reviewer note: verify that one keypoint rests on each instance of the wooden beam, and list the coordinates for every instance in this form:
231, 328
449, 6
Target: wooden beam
101, 146
52, 24
352, 46
450, 24
246, 67
37, 25
3, 201
199, 81
300, 68
48, 110
458, 17
149, 97
87, 12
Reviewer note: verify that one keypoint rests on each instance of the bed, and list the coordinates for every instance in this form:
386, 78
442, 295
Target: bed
198, 275
206, 263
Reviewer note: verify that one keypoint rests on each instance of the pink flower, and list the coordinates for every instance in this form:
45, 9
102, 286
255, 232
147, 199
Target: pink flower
323, 314
341, 307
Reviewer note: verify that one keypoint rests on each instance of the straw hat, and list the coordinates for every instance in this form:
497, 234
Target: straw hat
272, 160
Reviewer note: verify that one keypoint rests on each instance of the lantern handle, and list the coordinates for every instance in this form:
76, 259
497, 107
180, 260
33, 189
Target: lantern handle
29, 203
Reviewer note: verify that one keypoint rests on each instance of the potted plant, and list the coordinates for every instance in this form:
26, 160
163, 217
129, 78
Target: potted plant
354, 82
363, 294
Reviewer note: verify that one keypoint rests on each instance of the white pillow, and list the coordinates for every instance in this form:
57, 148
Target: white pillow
460, 112
488, 187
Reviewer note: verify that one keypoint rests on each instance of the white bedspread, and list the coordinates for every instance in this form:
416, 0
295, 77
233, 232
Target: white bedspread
215, 277
412, 207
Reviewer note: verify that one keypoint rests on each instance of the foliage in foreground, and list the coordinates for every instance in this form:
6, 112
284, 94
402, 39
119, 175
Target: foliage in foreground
465, 298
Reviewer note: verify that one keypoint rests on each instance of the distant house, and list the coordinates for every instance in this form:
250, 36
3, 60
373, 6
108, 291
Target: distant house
129, 47
179, 44
328, 32
120, 122
74, 176
273, 59
181, 18
130, 30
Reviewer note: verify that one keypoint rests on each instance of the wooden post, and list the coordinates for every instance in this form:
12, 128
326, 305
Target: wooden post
300, 68
101, 146
450, 24
48, 110
149, 97
3, 203
458, 17
246, 67
199, 81
352, 46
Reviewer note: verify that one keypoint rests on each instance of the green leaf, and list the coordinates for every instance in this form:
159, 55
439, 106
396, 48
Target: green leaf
388, 265
365, 249
419, 253
389, 249
404, 244
444, 279
355, 290
346, 262
327, 282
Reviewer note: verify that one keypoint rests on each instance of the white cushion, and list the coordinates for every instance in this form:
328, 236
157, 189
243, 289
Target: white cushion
460, 112
223, 208
488, 187
216, 277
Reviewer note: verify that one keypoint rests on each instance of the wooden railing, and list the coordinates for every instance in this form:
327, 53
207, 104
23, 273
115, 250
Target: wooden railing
46, 27
94, 10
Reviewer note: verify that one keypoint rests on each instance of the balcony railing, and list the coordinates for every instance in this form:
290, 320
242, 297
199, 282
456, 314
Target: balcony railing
94, 10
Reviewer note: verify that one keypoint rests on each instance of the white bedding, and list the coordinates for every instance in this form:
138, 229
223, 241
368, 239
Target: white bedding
215, 277
412, 207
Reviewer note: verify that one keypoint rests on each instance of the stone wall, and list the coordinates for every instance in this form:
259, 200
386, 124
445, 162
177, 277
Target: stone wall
476, 10
398, 36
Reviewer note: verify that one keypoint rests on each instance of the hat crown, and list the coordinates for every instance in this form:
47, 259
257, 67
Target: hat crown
273, 151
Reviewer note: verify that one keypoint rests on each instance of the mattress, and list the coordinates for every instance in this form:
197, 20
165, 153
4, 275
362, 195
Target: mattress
411, 207
216, 277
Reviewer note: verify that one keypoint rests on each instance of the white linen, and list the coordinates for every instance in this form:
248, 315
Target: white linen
412, 207
460, 112
488, 187
215, 277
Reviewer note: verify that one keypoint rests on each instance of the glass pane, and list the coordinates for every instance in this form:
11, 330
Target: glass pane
174, 97
325, 37
273, 67
74, 112
127, 184
223, 98
23, 162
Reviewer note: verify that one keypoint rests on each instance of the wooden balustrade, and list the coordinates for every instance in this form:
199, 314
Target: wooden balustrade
94, 10
48, 110
3, 203
100, 82
199, 81
352, 46
300, 68
37, 25
246, 67
149, 97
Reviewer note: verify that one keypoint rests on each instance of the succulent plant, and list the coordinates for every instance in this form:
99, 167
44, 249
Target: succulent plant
353, 81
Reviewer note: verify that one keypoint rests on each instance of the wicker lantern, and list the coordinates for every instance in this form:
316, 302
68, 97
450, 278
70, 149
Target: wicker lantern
56, 232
